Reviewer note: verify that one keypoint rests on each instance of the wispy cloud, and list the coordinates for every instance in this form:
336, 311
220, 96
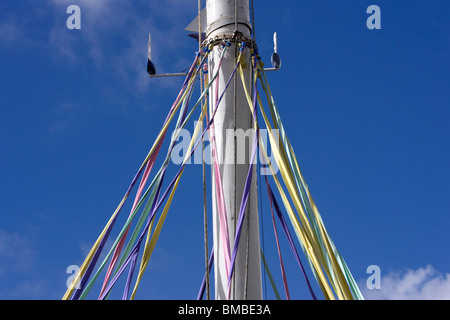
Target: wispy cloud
60, 126
17, 264
26, 289
421, 284
23, 273
114, 36
96, 18
66, 116
10, 32
16, 253
111, 46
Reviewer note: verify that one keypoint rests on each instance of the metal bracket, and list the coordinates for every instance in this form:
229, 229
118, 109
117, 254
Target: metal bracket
275, 58
164, 75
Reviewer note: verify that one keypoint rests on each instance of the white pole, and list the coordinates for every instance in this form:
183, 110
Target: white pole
234, 116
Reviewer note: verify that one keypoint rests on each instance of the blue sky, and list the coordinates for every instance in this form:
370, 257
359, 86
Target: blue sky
367, 112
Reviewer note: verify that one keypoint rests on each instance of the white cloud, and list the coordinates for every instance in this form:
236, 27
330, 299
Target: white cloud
60, 126
26, 289
115, 32
16, 253
63, 45
23, 272
97, 17
10, 32
17, 268
66, 116
421, 284
96, 7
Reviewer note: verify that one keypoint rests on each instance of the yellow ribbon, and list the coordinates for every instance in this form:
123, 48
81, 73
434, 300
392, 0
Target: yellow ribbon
307, 237
94, 248
152, 239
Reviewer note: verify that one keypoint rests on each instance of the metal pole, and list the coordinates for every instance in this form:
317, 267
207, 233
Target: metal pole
233, 118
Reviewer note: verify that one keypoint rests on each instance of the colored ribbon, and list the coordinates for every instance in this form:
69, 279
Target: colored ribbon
136, 247
247, 187
285, 228
91, 259
327, 264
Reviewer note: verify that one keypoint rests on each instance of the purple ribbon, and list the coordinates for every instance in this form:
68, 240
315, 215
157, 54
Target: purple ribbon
289, 237
135, 250
94, 260
202, 287
245, 196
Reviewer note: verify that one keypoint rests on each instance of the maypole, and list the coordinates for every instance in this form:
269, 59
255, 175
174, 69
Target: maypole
232, 128
233, 120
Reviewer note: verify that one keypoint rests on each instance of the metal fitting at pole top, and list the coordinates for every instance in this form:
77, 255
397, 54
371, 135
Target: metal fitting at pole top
227, 39
223, 18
